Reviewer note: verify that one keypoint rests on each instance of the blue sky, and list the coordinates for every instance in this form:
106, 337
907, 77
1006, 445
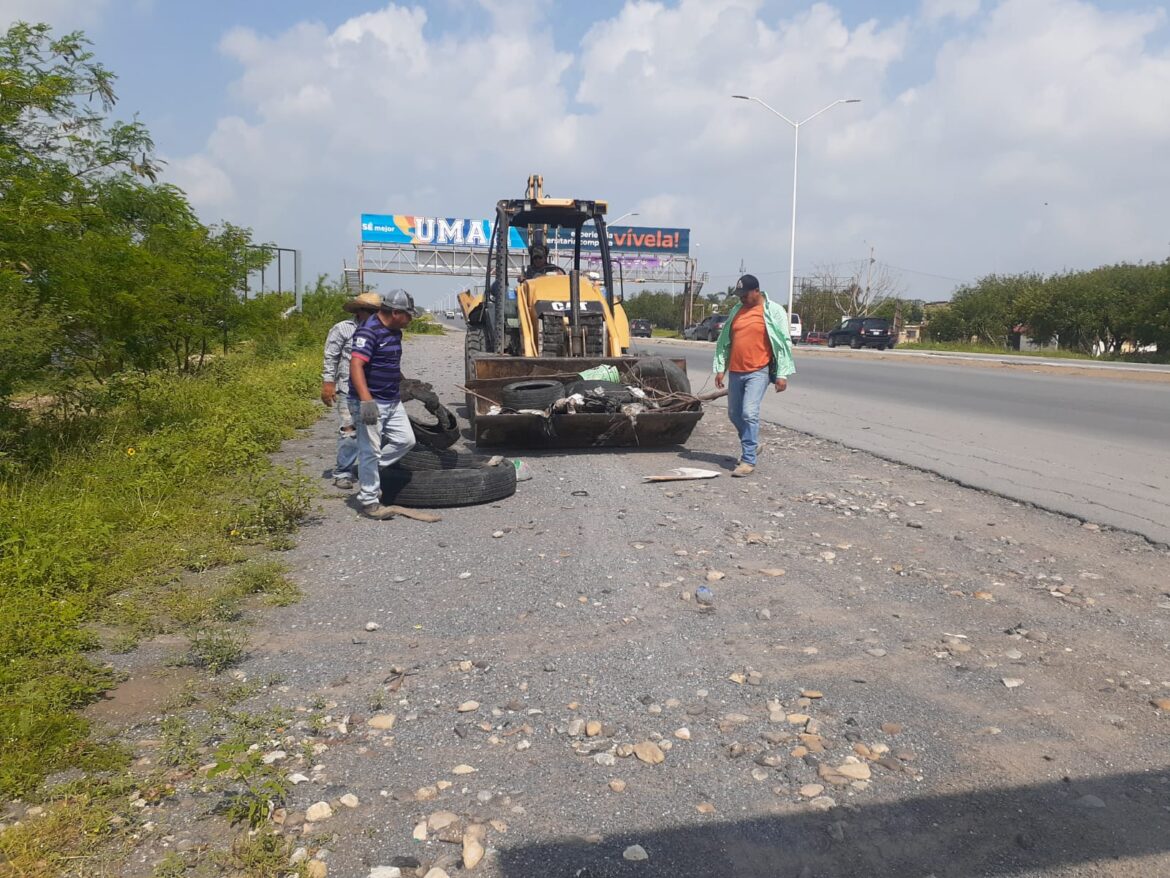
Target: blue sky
994, 135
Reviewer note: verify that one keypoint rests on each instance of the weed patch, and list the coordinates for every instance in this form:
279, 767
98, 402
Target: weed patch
217, 649
170, 468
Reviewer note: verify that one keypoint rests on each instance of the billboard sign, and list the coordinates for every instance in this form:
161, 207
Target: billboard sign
429, 231
626, 239
432, 231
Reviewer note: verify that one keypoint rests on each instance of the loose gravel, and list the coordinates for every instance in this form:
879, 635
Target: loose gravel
536, 677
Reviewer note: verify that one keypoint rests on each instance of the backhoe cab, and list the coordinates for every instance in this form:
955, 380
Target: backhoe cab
543, 310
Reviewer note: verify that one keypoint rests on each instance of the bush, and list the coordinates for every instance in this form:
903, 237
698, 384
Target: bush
165, 472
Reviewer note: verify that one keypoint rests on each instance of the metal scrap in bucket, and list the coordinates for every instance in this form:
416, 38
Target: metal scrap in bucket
682, 474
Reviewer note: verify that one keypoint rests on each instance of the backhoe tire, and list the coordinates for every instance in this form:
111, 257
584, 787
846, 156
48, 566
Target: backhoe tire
474, 345
535, 393
424, 459
439, 489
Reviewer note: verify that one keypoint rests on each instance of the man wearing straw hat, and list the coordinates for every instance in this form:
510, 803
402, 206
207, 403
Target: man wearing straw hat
335, 382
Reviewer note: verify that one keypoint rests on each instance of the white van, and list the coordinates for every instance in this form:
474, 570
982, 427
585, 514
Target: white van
794, 327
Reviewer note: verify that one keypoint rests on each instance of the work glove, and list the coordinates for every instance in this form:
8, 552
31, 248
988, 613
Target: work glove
369, 412
428, 398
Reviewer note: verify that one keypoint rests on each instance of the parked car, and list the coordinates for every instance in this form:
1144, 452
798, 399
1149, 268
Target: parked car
794, 328
860, 332
815, 337
640, 328
707, 330
450, 315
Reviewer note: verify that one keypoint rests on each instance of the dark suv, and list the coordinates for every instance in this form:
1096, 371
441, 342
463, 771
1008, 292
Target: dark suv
863, 332
709, 329
640, 328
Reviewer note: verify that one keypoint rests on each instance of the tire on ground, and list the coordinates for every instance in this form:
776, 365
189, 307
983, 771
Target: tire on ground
436, 489
424, 459
535, 393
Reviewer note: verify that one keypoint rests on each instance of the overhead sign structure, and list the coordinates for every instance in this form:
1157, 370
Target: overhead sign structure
429, 231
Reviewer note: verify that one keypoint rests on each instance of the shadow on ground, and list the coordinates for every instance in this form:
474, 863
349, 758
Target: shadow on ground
1045, 829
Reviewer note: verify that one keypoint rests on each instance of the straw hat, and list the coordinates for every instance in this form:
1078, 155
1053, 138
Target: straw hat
364, 302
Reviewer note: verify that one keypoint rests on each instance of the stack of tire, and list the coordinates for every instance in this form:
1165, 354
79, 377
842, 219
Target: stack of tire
432, 476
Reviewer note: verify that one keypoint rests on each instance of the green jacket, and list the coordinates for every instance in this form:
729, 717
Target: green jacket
776, 319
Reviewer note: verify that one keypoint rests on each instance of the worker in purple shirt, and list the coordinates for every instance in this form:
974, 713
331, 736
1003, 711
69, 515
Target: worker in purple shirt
384, 434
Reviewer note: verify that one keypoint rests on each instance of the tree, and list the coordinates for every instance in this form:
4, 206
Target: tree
817, 308
988, 309
909, 310
101, 267
858, 292
661, 308
946, 324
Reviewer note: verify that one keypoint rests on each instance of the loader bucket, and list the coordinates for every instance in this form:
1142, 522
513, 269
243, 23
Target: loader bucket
650, 428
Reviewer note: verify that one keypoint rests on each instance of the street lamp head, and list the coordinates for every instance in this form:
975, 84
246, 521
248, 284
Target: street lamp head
742, 97
853, 100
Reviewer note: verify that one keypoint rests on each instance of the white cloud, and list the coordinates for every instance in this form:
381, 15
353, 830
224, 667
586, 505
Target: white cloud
1057, 101
935, 10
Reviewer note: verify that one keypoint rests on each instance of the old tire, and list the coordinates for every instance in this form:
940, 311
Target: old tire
424, 459
535, 393
667, 371
442, 434
436, 489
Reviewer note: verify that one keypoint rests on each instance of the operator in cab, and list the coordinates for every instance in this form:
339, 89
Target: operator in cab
538, 263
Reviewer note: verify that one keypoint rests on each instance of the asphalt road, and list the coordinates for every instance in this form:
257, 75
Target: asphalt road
1095, 447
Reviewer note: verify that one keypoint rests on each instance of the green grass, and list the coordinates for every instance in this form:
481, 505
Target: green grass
665, 333
967, 348
173, 475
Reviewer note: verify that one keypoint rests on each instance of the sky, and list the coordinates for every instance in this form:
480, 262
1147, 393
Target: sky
992, 136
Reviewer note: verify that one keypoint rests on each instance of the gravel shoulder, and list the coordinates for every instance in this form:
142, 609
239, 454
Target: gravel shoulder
898, 676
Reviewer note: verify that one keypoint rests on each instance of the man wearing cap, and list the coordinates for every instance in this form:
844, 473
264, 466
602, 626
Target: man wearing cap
384, 433
538, 263
335, 380
753, 351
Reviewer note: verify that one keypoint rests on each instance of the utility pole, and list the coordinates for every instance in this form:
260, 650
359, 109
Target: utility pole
868, 278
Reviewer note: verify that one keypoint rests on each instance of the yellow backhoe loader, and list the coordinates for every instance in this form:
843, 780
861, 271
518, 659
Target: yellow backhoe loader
543, 323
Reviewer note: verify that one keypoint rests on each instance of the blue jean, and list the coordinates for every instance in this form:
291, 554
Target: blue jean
379, 445
347, 450
745, 392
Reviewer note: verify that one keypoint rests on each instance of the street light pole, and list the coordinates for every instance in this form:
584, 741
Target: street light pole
623, 216
795, 158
